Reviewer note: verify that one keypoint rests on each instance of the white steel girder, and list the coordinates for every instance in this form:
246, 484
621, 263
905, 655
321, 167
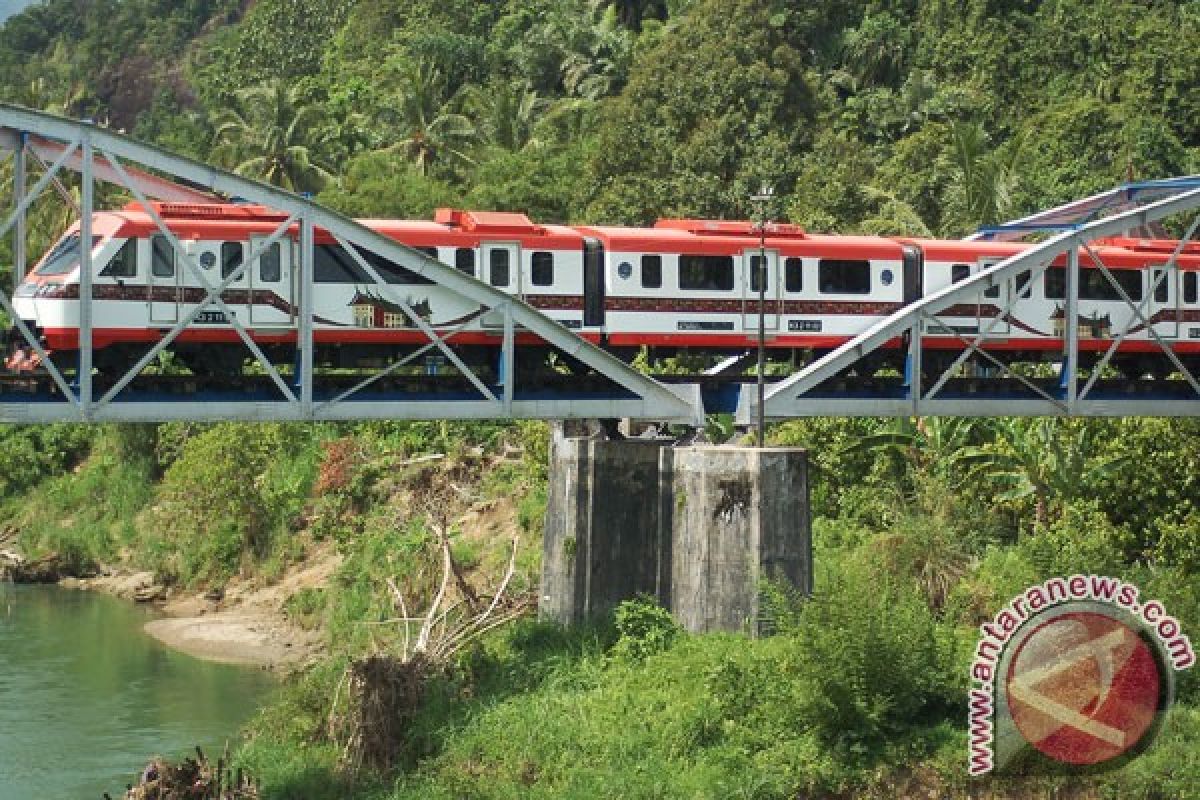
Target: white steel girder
795, 396
100, 154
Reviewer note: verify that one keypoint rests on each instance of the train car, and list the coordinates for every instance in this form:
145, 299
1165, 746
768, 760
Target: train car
1026, 319
681, 285
141, 288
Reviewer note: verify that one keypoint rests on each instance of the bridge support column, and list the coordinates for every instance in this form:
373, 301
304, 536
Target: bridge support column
740, 516
697, 528
602, 543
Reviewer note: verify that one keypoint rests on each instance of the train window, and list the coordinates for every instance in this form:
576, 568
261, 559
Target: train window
844, 277
959, 272
232, 255
332, 264
793, 274
498, 265
65, 256
464, 260
711, 273
1024, 283
542, 270
651, 272
270, 264
992, 291
1160, 288
1093, 285
1054, 283
429, 251
162, 257
124, 263
1189, 287
390, 271
757, 269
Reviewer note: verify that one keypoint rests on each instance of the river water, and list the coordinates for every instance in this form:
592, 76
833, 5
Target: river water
86, 698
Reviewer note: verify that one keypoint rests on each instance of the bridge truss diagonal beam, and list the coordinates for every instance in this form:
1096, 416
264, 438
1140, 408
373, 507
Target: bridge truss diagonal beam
99, 154
798, 395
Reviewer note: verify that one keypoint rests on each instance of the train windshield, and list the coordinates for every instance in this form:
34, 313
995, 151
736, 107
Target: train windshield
64, 257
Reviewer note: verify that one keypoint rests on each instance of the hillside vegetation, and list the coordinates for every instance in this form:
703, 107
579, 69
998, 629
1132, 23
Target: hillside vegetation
902, 117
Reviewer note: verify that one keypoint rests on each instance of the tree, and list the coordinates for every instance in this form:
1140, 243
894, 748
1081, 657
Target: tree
383, 184
423, 115
722, 103
1044, 460
985, 179
506, 114
268, 136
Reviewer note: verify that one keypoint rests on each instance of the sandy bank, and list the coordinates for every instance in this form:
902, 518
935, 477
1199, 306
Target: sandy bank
235, 637
247, 625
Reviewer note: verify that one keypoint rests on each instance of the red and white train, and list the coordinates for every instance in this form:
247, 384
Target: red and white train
680, 285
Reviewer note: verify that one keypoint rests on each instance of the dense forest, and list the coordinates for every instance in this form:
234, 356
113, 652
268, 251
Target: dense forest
917, 116
893, 116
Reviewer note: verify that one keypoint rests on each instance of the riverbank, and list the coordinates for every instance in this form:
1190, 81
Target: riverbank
249, 623
246, 624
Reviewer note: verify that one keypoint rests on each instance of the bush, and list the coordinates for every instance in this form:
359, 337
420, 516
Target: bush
869, 660
644, 628
228, 490
29, 454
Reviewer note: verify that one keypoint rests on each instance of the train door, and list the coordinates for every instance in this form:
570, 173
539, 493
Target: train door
992, 302
752, 267
164, 281
237, 296
272, 289
1164, 303
501, 270
593, 284
914, 273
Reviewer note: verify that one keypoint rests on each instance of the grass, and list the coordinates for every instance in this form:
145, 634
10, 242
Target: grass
859, 694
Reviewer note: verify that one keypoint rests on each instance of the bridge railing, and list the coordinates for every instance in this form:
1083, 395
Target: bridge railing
614, 391
807, 392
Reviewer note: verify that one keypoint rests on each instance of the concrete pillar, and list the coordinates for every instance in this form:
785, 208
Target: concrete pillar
739, 515
697, 528
602, 542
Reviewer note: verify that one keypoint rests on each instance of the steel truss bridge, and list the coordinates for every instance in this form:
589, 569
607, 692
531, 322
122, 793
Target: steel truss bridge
34, 144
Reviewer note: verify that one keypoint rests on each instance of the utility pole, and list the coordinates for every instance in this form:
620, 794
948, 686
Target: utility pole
759, 273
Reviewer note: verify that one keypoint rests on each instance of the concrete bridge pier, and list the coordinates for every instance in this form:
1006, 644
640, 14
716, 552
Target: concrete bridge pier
697, 528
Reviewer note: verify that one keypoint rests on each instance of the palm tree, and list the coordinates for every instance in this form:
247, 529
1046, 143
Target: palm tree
271, 135
1040, 458
424, 116
598, 56
986, 178
506, 114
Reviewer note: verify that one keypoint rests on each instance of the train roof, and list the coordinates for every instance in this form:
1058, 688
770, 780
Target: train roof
1114, 252
724, 237
458, 227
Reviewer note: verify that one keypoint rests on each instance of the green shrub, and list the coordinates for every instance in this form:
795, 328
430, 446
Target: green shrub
29, 454
306, 607
869, 660
1081, 540
644, 628
227, 492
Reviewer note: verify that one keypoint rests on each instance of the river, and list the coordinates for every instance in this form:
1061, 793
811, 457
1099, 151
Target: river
86, 698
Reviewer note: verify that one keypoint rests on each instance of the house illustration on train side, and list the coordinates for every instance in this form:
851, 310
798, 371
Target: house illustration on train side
372, 311
1093, 327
